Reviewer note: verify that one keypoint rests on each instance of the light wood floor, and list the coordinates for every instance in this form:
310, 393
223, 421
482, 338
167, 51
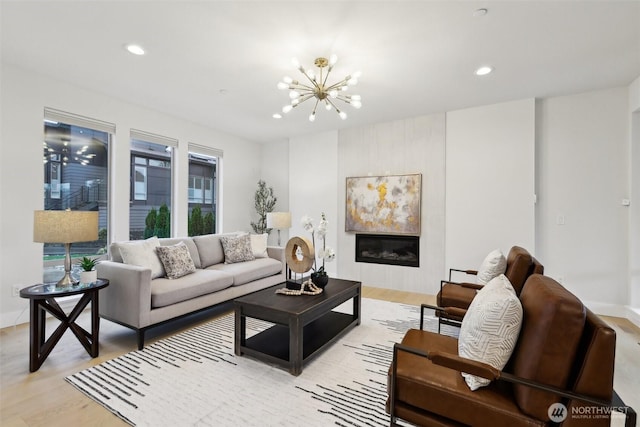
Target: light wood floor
43, 398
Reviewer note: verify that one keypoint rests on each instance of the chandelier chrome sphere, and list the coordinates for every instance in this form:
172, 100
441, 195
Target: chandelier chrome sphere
319, 89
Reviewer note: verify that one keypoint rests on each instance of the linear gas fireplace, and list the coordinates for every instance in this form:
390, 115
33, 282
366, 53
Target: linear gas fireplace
388, 249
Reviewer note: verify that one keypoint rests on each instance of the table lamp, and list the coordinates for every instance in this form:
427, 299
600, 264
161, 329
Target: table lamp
65, 227
278, 220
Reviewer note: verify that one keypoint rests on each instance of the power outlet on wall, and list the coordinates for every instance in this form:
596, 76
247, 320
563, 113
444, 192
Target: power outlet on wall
15, 290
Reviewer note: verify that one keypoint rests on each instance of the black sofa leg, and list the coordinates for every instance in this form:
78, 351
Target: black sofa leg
140, 339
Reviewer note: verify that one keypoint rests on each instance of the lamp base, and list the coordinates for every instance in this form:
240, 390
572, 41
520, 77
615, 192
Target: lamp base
66, 281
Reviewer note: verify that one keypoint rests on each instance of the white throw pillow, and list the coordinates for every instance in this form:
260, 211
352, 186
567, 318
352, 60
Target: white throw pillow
490, 328
259, 245
143, 253
493, 265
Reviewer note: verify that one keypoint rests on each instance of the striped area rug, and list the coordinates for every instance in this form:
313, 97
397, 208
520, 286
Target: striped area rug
194, 379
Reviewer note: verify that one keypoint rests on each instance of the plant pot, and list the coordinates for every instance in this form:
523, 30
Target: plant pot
88, 276
320, 280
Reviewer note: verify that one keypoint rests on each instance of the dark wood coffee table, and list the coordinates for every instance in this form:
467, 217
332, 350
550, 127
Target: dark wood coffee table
303, 327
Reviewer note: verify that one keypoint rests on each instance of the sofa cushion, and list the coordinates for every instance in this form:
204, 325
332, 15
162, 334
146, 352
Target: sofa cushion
237, 248
443, 391
248, 271
490, 328
166, 292
210, 248
141, 253
551, 331
176, 260
493, 265
193, 249
259, 245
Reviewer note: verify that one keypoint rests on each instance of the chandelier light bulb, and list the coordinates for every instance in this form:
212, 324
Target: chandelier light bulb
320, 88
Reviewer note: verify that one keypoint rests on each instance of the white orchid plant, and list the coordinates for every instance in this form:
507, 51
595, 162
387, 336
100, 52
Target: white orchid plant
326, 253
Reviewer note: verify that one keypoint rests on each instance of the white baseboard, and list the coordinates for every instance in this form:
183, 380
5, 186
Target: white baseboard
633, 314
18, 317
615, 310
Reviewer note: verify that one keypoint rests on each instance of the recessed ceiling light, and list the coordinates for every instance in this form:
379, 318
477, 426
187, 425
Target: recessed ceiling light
483, 71
277, 116
135, 49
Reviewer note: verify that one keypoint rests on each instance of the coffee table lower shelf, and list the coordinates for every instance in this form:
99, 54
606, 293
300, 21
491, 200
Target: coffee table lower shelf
273, 344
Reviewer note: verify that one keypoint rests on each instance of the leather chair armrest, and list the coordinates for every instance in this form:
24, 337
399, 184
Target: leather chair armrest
462, 284
456, 270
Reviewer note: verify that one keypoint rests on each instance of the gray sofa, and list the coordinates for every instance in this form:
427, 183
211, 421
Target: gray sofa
135, 300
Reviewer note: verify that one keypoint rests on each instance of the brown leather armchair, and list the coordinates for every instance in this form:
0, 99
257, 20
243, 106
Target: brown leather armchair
564, 354
454, 298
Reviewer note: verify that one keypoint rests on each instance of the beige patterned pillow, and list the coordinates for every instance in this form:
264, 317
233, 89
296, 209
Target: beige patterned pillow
237, 248
176, 260
490, 328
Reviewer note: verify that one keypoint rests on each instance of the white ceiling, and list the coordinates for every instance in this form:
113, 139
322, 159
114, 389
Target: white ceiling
416, 57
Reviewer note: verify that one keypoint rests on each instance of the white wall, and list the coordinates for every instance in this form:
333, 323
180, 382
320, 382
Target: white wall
490, 181
583, 175
408, 146
24, 97
313, 184
275, 172
634, 209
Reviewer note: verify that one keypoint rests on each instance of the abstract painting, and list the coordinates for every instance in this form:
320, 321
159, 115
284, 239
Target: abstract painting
384, 204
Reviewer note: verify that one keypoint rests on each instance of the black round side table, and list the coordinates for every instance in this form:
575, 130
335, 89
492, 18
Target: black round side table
42, 298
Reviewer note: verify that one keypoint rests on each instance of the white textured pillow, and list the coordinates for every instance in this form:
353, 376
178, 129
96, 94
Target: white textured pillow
237, 249
490, 328
259, 245
143, 253
493, 265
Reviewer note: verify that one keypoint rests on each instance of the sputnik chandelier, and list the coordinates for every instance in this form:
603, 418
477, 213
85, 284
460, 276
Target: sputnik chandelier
319, 89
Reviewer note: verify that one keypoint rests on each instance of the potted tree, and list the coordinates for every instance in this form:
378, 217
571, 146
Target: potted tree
88, 273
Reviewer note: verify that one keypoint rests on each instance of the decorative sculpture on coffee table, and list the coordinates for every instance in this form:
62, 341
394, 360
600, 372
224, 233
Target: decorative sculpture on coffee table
300, 256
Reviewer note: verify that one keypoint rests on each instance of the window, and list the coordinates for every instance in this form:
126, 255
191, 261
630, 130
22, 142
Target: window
76, 177
203, 176
151, 177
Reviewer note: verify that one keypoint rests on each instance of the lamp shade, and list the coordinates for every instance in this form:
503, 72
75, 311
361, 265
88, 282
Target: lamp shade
65, 226
278, 220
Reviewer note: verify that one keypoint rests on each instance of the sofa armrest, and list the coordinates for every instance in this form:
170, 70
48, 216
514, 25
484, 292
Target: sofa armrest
127, 299
277, 252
